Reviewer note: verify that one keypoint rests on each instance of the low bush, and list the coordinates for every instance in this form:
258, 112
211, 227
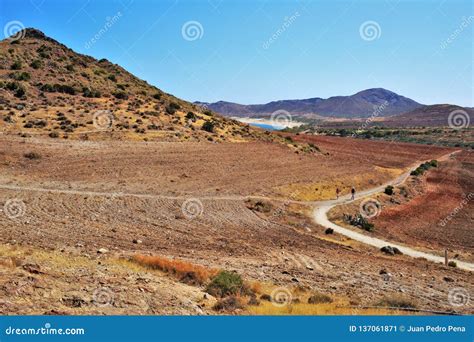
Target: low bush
359, 221
208, 126
397, 302
36, 64
230, 303
121, 95
319, 298
16, 65
389, 190
225, 283
32, 155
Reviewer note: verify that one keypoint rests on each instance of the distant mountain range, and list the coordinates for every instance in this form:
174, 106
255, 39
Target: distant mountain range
362, 104
434, 116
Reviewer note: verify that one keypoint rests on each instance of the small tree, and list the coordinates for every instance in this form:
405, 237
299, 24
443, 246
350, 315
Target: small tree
208, 126
389, 190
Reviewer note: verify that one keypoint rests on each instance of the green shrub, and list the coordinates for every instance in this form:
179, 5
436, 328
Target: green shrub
434, 163
319, 298
208, 126
36, 64
20, 76
389, 190
16, 65
359, 221
120, 95
225, 283
157, 96
190, 116
112, 78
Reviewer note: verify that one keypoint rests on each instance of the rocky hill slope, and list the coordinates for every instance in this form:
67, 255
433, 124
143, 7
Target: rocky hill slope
48, 89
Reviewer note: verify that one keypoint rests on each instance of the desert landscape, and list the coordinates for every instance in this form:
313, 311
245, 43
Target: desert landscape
118, 198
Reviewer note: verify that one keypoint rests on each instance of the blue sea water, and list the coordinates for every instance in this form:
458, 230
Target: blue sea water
267, 126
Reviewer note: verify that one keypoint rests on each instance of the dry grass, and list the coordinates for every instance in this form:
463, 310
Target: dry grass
183, 270
338, 307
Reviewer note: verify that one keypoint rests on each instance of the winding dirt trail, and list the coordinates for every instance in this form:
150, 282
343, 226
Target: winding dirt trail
319, 213
322, 208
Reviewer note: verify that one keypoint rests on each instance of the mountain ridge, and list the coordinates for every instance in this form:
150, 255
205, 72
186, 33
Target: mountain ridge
360, 104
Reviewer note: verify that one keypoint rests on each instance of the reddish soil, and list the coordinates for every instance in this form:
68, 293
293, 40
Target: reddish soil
227, 235
441, 217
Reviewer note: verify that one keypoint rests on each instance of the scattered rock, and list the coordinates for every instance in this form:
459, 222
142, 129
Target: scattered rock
329, 231
295, 280
137, 241
32, 268
383, 271
253, 301
102, 251
391, 250
448, 279
73, 301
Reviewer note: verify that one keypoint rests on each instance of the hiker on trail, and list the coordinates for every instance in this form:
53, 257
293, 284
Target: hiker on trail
338, 191
353, 192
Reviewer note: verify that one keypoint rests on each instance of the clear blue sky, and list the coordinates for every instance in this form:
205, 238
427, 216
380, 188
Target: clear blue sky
320, 53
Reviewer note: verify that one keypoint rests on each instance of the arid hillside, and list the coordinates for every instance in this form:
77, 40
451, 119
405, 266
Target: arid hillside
48, 89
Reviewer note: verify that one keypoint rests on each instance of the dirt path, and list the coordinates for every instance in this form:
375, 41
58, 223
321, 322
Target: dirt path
319, 214
322, 208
